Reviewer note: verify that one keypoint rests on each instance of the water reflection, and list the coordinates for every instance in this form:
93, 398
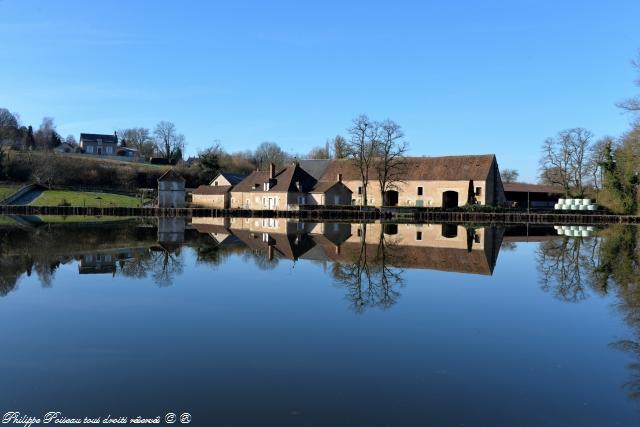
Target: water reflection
574, 267
370, 263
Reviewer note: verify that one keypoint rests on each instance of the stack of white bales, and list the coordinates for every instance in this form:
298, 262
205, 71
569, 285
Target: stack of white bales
574, 230
575, 205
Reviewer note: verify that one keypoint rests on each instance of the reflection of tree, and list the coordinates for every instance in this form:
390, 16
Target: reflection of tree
565, 265
261, 259
166, 264
162, 264
369, 280
619, 268
608, 264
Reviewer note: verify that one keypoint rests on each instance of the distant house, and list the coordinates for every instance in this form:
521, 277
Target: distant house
171, 190
218, 193
98, 144
127, 152
65, 147
286, 189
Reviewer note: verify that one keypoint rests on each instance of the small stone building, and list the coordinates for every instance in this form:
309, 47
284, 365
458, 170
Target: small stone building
171, 190
217, 194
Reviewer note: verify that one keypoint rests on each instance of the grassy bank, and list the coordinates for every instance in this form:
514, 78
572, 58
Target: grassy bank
7, 189
81, 198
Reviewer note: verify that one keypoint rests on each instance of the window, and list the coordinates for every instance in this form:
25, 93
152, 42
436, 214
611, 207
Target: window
359, 232
90, 149
99, 140
109, 150
476, 238
419, 191
418, 235
359, 190
478, 191
215, 183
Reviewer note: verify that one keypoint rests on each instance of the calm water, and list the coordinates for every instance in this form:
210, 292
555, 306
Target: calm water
273, 323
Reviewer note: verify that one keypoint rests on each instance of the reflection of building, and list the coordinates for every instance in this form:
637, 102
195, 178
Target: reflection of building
447, 247
171, 230
106, 261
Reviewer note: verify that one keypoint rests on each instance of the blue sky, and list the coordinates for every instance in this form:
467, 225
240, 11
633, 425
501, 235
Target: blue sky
459, 76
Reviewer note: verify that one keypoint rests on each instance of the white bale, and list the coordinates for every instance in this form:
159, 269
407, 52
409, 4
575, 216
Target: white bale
556, 206
585, 233
591, 228
561, 201
586, 202
591, 207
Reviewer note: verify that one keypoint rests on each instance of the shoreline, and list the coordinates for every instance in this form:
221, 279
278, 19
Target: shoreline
399, 215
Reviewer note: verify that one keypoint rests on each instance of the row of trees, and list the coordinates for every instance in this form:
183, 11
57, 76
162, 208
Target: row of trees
376, 148
606, 168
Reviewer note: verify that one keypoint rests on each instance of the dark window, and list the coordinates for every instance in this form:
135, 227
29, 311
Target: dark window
359, 190
478, 191
359, 232
476, 238
419, 191
418, 235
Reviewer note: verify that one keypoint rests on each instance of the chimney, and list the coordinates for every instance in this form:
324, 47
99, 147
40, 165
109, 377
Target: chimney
272, 170
339, 177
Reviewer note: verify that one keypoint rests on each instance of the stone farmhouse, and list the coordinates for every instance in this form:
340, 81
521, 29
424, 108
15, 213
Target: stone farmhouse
439, 182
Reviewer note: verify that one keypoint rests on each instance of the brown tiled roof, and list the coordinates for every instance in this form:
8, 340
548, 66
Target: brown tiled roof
285, 180
212, 190
447, 168
532, 188
324, 186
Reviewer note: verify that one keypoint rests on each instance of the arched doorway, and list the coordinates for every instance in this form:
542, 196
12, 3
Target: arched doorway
390, 229
449, 230
449, 199
390, 198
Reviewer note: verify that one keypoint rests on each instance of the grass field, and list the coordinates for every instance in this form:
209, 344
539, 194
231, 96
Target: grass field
7, 189
79, 198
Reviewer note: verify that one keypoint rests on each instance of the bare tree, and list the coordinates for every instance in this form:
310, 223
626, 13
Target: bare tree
168, 142
340, 150
46, 137
509, 175
632, 104
138, 138
270, 152
7, 119
564, 160
362, 148
320, 153
390, 163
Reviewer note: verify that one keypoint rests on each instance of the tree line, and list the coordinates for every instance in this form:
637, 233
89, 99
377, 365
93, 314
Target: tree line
606, 169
